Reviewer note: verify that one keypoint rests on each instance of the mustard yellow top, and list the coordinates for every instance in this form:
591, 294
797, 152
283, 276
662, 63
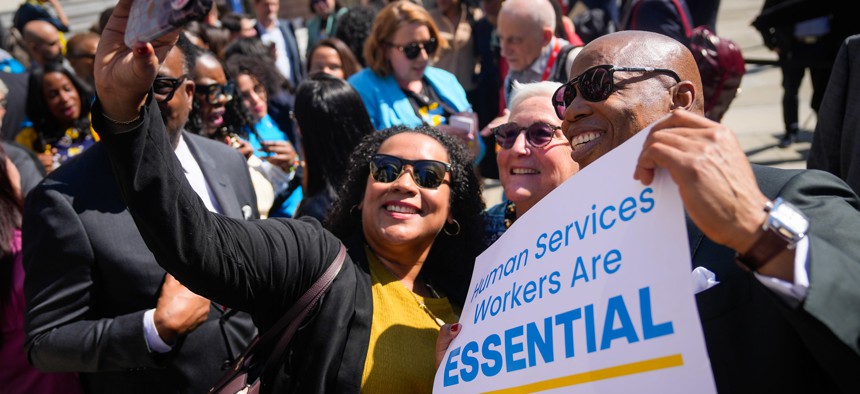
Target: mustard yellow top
401, 352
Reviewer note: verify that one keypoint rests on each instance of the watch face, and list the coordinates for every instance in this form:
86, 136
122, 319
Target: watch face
788, 220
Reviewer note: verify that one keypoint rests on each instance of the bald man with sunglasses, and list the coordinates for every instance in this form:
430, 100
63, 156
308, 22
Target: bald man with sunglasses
784, 244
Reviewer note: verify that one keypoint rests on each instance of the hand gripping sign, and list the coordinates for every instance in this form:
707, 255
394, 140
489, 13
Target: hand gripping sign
589, 292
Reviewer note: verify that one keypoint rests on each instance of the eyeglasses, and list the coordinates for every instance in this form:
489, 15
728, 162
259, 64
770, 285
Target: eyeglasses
427, 174
538, 135
596, 84
214, 92
3, 102
165, 87
413, 49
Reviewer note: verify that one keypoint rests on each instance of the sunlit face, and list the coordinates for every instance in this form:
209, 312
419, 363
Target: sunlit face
594, 129
407, 70
175, 111
322, 7
62, 98
400, 214
528, 173
208, 71
247, 29
253, 95
326, 60
83, 58
266, 10
521, 40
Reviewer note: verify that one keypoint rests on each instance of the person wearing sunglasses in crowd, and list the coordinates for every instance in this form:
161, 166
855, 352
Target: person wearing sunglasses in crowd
216, 114
97, 301
534, 156
400, 88
793, 325
409, 212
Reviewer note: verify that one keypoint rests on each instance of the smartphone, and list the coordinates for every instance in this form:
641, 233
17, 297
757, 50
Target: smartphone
465, 123
150, 19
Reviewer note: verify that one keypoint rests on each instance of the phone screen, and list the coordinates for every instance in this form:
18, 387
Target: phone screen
150, 19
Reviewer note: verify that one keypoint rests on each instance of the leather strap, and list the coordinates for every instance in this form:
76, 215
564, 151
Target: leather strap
768, 246
290, 321
306, 303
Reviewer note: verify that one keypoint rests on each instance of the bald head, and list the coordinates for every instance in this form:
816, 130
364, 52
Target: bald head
637, 97
43, 41
633, 48
539, 12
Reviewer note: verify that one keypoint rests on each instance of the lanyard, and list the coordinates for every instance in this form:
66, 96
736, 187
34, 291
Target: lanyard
552, 56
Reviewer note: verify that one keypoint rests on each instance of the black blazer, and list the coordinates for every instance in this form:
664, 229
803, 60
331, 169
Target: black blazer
835, 144
755, 341
90, 277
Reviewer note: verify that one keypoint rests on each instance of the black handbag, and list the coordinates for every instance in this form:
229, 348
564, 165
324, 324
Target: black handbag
244, 376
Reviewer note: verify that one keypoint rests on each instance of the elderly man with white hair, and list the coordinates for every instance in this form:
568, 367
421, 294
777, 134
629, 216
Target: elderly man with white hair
526, 35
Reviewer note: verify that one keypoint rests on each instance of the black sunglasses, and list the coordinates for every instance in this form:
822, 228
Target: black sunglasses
165, 87
427, 174
413, 49
538, 134
596, 84
214, 92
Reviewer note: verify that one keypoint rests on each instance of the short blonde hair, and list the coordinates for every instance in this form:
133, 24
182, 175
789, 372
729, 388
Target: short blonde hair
385, 26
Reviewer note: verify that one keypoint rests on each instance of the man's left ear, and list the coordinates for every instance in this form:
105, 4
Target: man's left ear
683, 95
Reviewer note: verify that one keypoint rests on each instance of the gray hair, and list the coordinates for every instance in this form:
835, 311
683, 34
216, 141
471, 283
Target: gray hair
522, 91
538, 11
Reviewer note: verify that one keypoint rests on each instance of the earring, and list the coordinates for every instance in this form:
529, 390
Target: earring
354, 209
454, 222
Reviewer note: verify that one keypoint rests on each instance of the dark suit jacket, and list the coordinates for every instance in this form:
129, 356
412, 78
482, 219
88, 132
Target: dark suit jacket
293, 55
756, 342
90, 278
835, 145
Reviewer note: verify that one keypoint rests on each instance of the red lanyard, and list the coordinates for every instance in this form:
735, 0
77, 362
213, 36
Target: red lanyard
554, 54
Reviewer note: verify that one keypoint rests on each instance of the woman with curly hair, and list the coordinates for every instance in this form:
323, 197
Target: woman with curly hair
409, 213
217, 114
58, 104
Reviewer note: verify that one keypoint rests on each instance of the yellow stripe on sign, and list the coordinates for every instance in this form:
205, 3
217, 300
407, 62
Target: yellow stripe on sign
653, 364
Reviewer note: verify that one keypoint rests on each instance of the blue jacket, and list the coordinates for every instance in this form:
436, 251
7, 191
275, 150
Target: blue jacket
388, 106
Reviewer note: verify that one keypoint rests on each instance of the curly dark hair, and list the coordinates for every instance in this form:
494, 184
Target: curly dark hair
452, 257
353, 28
49, 129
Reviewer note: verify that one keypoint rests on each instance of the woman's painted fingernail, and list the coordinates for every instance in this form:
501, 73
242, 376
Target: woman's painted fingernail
456, 327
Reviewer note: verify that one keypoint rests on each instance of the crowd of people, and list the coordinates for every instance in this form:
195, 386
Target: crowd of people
142, 263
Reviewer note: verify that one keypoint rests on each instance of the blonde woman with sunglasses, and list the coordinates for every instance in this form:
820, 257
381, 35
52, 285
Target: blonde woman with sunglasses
399, 87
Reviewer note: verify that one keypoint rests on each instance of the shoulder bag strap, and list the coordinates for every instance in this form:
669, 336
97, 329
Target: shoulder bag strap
307, 302
289, 322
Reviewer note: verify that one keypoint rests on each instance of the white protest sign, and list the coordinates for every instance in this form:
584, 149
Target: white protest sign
589, 292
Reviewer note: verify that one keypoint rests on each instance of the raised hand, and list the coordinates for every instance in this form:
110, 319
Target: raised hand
713, 174
178, 311
124, 75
